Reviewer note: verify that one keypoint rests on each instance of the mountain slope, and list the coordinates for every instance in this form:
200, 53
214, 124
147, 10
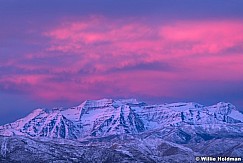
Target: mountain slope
119, 148
23, 149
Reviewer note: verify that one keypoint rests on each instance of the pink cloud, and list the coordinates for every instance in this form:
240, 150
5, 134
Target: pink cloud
205, 37
121, 39
97, 57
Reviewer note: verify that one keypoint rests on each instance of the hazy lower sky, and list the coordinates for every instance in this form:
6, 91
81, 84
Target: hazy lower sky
61, 52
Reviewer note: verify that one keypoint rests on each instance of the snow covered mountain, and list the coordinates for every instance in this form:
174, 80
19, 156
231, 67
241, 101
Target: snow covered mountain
124, 130
95, 118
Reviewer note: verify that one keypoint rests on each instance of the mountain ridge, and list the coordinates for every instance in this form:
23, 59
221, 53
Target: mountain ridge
108, 117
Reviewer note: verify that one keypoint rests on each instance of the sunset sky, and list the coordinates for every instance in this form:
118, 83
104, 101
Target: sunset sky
60, 52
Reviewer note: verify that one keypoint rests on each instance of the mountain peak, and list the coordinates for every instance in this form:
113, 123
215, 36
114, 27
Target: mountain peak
96, 103
222, 107
225, 104
108, 102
